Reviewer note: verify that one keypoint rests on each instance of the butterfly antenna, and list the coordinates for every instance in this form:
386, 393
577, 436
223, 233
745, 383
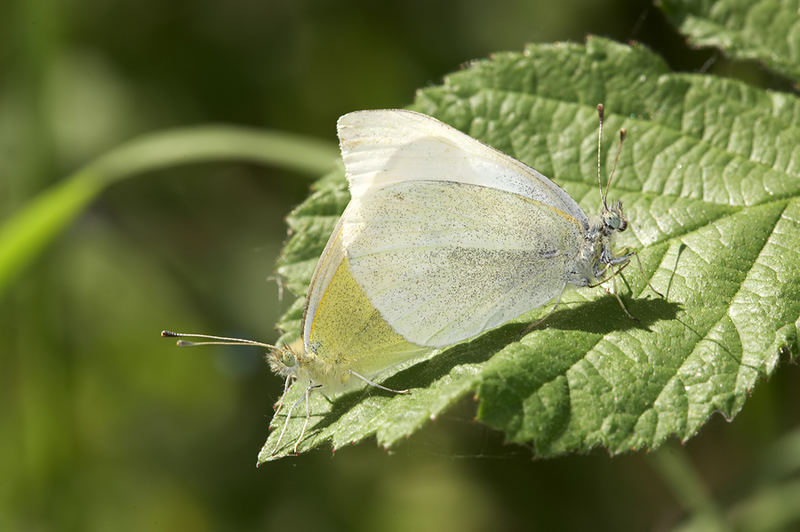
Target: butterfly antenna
622, 133
600, 116
215, 340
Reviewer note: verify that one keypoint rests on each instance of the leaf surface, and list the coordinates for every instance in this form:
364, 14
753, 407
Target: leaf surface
762, 30
709, 179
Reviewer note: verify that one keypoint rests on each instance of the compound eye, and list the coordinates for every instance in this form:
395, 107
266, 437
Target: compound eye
623, 224
612, 221
288, 359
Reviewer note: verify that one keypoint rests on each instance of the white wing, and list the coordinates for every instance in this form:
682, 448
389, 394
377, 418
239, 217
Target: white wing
391, 146
443, 261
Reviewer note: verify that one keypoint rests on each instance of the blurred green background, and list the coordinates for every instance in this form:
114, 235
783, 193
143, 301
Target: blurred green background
106, 426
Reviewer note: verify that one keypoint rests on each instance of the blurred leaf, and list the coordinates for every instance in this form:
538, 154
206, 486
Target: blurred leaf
29, 230
677, 472
781, 461
710, 180
91, 108
769, 508
764, 30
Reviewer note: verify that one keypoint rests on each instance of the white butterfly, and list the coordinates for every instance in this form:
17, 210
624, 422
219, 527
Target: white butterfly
444, 238
449, 237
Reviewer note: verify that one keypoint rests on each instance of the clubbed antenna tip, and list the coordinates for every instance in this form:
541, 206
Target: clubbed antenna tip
215, 340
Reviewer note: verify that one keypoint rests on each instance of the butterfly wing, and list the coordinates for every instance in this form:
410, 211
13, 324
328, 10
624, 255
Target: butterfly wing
341, 327
443, 261
382, 147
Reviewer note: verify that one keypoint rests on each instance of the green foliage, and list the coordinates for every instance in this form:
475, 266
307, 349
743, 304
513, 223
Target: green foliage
28, 231
764, 30
108, 427
709, 178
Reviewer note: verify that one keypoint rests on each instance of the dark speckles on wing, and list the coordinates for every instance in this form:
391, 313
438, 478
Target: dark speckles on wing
451, 259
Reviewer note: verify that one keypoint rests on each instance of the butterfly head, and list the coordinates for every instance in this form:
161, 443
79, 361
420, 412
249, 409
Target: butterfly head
613, 219
284, 360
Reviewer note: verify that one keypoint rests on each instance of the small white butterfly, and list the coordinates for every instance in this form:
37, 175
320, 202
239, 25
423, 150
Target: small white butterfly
449, 237
444, 238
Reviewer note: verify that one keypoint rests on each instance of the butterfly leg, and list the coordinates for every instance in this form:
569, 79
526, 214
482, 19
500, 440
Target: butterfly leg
308, 414
622, 262
619, 299
285, 425
279, 407
625, 260
542, 319
617, 261
647, 279
375, 384
286, 387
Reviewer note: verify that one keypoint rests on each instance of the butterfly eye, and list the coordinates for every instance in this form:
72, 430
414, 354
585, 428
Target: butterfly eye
288, 359
623, 223
611, 219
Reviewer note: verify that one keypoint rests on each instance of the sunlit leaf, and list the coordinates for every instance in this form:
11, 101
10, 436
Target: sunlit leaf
709, 177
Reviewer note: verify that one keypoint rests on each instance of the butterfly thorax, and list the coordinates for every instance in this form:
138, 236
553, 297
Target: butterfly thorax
304, 365
596, 255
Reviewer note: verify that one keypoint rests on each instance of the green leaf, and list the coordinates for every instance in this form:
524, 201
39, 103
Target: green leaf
764, 30
709, 177
27, 232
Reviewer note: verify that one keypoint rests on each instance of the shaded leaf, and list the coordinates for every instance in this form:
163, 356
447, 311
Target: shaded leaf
764, 30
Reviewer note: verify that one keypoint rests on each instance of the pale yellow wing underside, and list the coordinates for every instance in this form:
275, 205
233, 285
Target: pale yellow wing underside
341, 327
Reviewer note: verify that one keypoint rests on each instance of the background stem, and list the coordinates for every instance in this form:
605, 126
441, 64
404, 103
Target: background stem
30, 229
